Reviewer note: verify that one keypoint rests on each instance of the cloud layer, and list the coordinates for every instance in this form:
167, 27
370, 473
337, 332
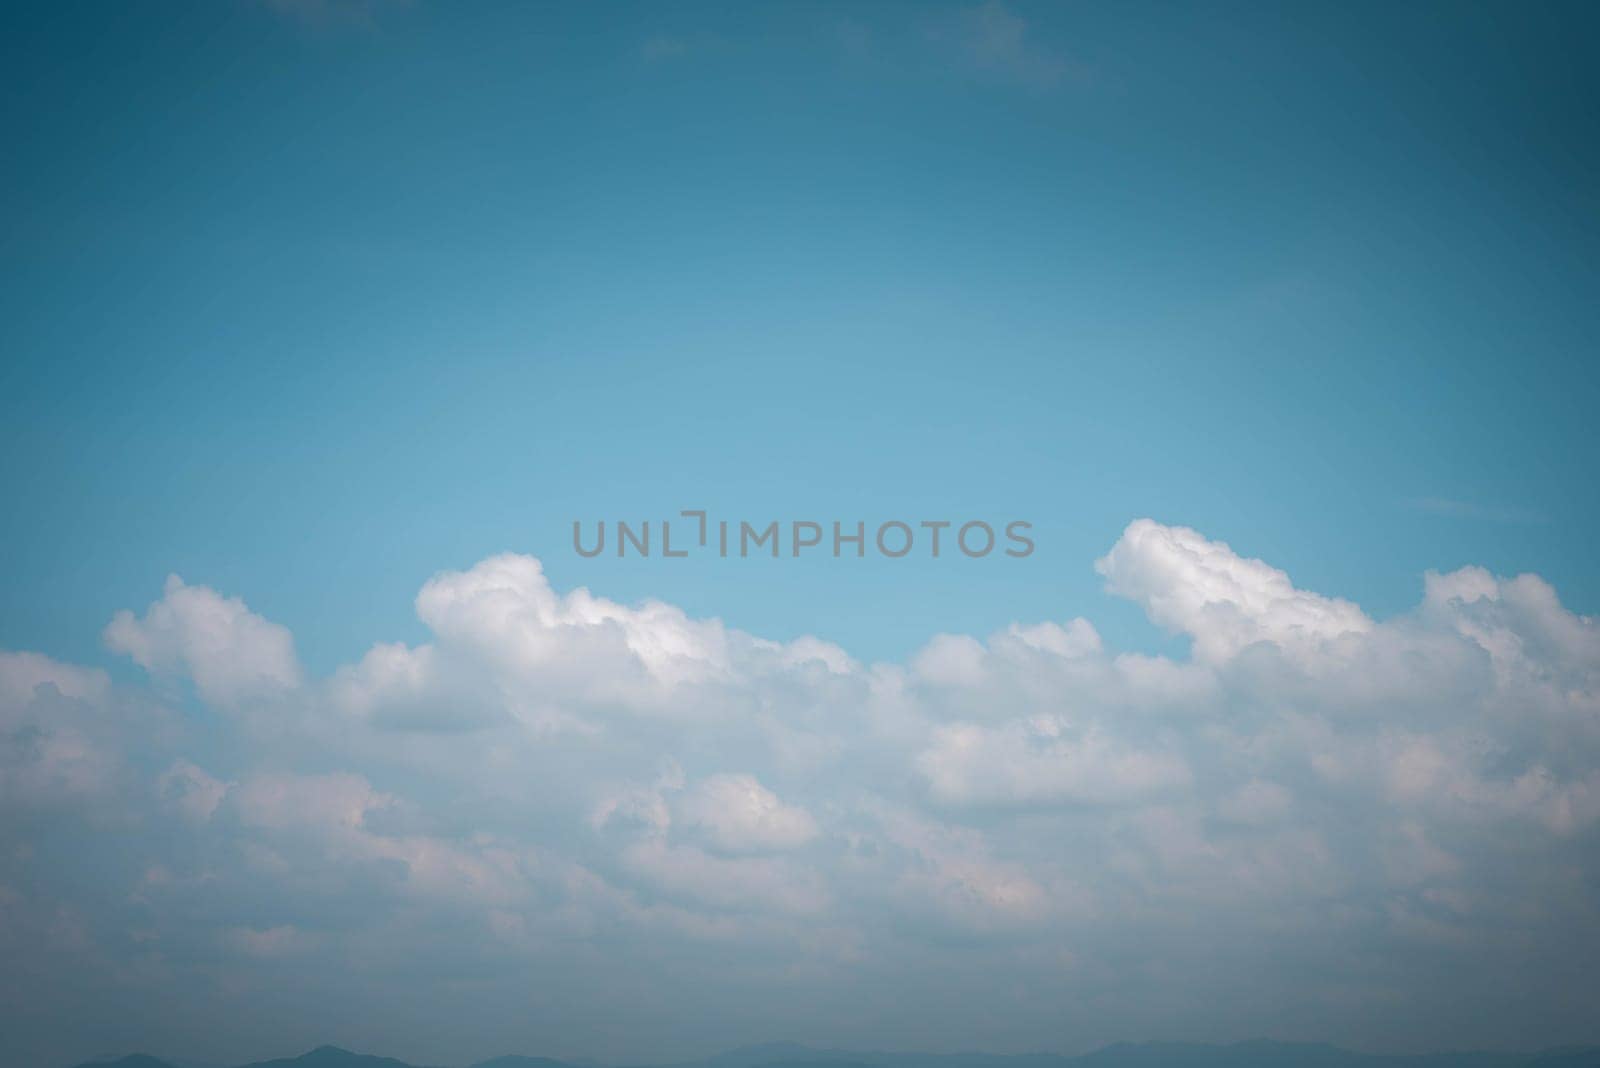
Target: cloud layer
563, 818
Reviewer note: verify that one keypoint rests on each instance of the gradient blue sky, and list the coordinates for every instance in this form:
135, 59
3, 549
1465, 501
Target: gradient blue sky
308, 301
1277, 322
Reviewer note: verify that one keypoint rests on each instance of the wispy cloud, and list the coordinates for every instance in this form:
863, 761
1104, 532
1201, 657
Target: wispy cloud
994, 40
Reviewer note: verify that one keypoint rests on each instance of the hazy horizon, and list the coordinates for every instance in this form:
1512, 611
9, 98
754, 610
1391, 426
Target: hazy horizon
1245, 1051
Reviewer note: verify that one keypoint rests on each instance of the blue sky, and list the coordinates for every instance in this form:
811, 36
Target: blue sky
309, 302
1277, 323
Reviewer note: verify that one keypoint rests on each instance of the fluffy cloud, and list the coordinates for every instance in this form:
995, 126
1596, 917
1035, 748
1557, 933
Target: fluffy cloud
230, 653
1043, 759
737, 814
510, 648
1221, 600
191, 791
50, 748
559, 787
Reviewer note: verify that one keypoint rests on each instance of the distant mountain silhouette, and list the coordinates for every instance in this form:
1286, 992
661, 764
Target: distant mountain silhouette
793, 1055
331, 1057
1261, 1053
772, 1053
1258, 1053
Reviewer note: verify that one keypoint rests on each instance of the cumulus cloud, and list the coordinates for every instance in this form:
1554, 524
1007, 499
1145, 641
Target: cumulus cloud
1223, 601
53, 745
24, 675
230, 653
191, 791
1043, 759
554, 784
508, 647
737, 814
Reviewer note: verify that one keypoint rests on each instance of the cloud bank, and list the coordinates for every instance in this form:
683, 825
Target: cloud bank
564, 819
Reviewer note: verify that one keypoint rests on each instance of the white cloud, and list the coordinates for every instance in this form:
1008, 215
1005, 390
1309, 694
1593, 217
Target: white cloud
505, 609
23, 674
1043, 759
1256, 802
229, 652
952, 871
736, 814
951, 660
333, 802
55, 747
688, 873
1223, 601
554, 780
191, 791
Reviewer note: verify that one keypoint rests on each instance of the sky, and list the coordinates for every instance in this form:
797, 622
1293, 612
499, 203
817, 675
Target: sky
323, 321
